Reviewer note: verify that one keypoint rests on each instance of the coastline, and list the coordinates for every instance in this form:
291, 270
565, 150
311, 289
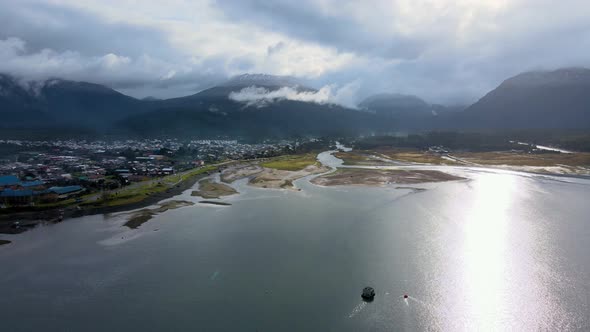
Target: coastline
40, 215
274, 173
54, 215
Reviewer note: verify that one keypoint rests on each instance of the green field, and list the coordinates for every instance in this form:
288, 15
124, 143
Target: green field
140, 191
291, 162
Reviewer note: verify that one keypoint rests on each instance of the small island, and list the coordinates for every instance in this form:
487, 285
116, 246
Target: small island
142, 216
276, 173
215, 203
209, 189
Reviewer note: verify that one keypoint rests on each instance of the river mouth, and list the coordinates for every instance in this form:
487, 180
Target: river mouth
499, 251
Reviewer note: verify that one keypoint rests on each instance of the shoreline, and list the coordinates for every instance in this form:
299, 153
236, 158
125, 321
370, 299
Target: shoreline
258, 176
37, 216
52, 216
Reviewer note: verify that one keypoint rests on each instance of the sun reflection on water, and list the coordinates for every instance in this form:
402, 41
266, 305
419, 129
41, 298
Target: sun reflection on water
496, 266
485, 250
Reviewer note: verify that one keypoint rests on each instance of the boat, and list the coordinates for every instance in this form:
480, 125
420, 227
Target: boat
368, 293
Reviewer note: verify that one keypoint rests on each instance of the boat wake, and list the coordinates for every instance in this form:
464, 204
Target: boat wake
357, 309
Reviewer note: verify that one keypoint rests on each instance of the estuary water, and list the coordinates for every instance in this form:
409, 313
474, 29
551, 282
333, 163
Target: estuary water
497, 251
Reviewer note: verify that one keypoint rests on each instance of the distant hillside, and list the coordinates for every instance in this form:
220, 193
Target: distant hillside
395, 105
18, 105
542, 99
58, 102
407, 112
279, 120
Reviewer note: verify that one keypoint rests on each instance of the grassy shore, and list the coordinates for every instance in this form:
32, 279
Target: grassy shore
134, 196
495, 158
358, 158
414, 156
291, 162
140, 191
526, 159
381, 157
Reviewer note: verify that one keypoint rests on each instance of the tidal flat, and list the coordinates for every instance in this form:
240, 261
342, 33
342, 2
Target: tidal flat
381, 177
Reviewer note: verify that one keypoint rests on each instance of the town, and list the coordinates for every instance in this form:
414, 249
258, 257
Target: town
43, 172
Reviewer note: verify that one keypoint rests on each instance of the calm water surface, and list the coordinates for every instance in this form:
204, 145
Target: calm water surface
500, 251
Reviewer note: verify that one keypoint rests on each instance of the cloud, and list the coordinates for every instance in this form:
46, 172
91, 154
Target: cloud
330, 94
45, 25
444, 51
116, 71
348, 26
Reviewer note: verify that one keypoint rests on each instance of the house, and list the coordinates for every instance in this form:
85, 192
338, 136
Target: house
198, 163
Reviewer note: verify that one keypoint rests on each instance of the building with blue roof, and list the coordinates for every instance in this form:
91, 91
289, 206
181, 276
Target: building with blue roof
16, 197
9, 180
16, 193
31, 184
64, 192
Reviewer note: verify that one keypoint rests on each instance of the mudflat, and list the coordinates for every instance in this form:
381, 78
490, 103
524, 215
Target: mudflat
209, 189
142, 216
378, 177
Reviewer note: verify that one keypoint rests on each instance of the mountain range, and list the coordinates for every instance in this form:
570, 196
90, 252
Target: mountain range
543, 99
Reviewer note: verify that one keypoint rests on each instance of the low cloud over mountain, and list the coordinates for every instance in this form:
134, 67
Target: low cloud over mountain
260, 96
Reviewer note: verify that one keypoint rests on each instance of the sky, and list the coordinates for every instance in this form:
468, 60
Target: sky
445, 51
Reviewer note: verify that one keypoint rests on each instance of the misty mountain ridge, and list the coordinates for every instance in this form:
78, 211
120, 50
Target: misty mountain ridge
220, 110
540, 99
395, 104
407, 111
56, 101
221, 92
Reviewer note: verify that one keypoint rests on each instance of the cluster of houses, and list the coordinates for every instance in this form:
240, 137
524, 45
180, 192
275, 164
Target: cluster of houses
439, 149
46, 171
14, 191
